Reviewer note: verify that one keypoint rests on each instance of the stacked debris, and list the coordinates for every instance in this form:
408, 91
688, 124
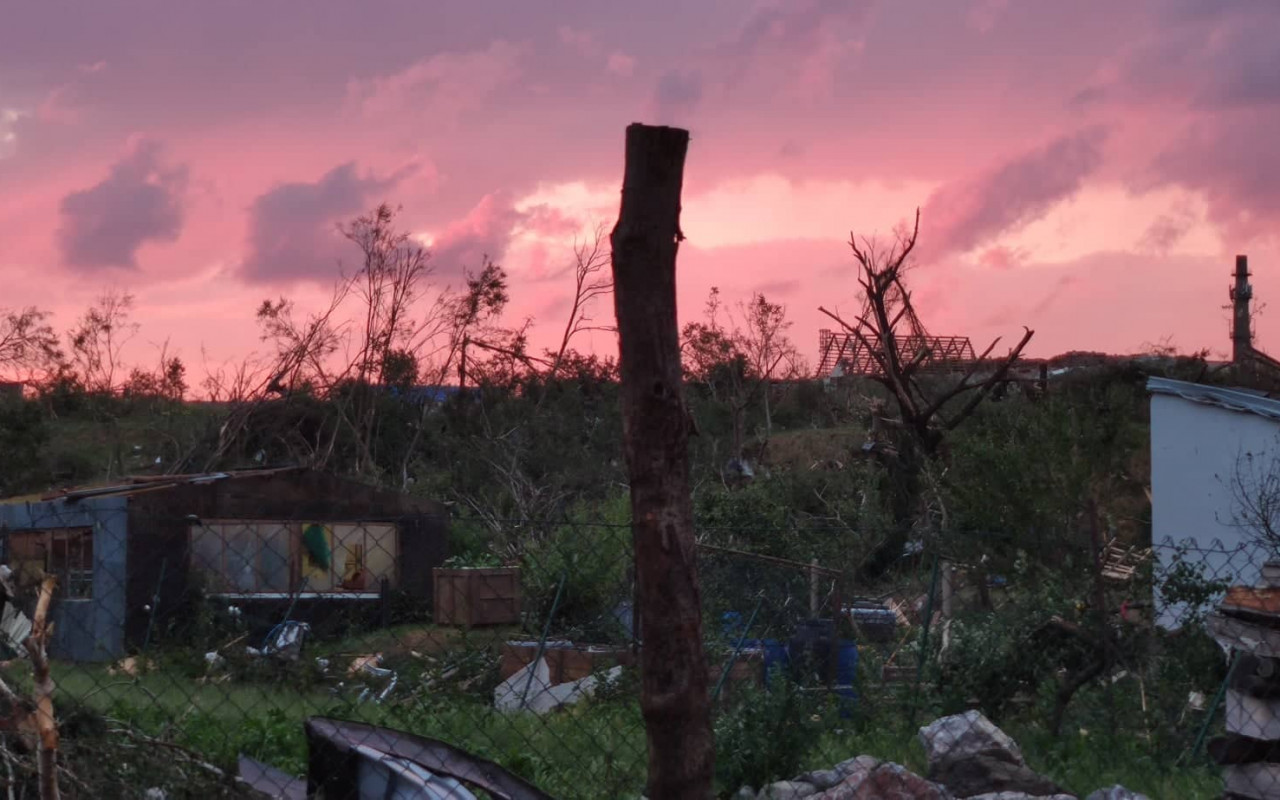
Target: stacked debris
968, 756
1247, 624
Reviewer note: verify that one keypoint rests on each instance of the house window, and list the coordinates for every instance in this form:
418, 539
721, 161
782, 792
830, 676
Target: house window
65, 553
243, 557
269, 557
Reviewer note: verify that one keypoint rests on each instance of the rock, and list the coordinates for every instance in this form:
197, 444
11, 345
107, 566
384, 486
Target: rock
1116, 792
823, 779
991, 774
1021, 796
971, 756
884, 782
786, 790
859, 764
962, 736
745, 793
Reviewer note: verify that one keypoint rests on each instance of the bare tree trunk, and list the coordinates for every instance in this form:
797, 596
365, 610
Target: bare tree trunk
656, 426
46, 725
768, 412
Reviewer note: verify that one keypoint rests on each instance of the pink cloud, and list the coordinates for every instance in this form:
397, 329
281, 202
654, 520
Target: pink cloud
582, 41
966, 214
293, 226
620, 63
1001, 257
496, 105
485, 232
140, 201
445, 85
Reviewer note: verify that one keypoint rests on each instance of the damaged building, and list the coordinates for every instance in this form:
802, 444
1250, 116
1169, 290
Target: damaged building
132, 558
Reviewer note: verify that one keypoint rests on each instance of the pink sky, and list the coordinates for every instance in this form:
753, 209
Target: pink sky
1088, 169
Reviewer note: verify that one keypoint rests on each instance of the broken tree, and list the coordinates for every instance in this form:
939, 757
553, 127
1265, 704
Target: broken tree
656, 427
890, 332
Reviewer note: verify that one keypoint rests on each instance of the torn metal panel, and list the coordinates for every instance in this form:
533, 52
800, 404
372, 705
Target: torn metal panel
340, 753
270, 781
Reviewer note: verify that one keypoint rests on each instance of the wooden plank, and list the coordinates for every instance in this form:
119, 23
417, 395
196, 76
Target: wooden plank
1239, 634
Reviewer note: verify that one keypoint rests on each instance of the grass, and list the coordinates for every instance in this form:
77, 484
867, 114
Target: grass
595, 749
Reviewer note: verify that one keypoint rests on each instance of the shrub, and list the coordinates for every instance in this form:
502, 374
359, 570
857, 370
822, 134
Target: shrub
766, 734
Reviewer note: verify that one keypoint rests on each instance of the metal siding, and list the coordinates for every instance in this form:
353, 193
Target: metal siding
92, 629
1194, 448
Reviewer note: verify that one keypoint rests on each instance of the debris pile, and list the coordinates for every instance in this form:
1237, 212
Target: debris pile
531, 689
1247, 625
968, 756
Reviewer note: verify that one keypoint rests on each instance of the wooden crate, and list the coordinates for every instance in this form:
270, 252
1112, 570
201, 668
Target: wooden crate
477, 596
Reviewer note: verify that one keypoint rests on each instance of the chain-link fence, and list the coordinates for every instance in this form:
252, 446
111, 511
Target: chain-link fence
202, 651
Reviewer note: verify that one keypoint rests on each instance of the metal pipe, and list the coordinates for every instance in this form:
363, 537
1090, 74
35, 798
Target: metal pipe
155, 603
924, 639
542, 642
736, 650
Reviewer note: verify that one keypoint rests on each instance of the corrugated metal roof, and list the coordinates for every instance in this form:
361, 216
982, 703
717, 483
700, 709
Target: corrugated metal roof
151, 483
1245, 401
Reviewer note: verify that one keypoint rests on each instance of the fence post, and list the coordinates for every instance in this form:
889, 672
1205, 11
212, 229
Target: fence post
813, 587
924, 638
656, 426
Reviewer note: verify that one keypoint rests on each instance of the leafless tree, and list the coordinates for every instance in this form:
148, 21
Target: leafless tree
1254, 485
771, 355
888, 311
738, 360
98, 339
592, 281
27, 340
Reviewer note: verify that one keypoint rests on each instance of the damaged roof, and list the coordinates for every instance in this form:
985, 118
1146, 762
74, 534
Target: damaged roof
1246, 401
148, 483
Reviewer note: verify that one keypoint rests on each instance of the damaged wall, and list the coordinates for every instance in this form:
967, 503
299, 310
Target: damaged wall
85, 629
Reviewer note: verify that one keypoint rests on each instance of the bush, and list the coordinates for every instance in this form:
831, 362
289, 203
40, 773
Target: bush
767, 733
594, 559
23, 433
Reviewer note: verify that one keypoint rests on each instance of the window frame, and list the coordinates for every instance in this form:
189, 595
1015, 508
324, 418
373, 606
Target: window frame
74, 582
296, 568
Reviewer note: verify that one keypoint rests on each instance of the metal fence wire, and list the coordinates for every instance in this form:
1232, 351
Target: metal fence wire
207, 656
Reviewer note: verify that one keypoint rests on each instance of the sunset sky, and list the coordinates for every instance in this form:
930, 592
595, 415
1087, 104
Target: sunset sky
1088, 169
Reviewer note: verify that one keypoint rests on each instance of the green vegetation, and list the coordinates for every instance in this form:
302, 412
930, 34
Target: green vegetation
528, 453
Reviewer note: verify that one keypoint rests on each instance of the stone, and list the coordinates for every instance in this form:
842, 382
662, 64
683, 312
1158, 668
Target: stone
745, 793
787, 790
969, 755
884, 782
1021, 796
1116, 792
991, 774
962, 736
823, 779
859, 764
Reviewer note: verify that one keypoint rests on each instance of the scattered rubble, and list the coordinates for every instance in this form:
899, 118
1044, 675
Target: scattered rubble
885, 781
1116, 792
284, 641
969, 758
787, 790
539, 695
